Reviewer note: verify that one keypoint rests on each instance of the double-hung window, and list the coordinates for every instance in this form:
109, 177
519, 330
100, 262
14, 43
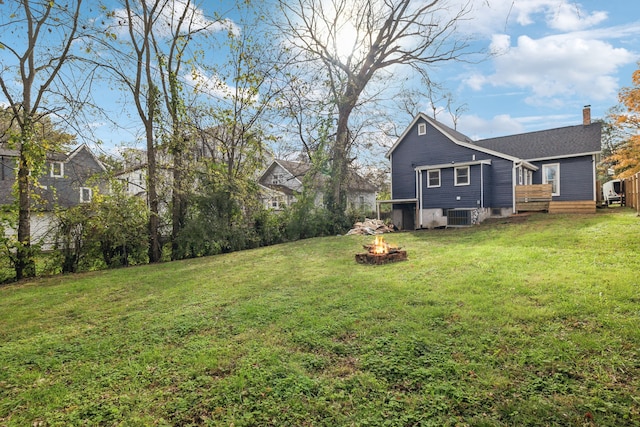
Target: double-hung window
433, 178
57, 170
85, 194
551, 175
461, 175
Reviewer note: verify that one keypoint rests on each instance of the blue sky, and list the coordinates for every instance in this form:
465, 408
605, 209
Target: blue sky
550, 58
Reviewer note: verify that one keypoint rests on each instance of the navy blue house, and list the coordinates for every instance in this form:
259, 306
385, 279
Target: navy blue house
440, 177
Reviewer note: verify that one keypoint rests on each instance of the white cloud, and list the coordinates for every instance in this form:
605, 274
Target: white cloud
476, 127
167, 21
556, 67
216, 87
500, 44
571, 17
491, 16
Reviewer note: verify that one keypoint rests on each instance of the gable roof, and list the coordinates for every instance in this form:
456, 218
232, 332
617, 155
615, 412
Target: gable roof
552, 143
299, 169
57, 155
85, 147
567, 141
453, 135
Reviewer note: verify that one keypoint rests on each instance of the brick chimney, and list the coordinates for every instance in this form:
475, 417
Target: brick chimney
586, 115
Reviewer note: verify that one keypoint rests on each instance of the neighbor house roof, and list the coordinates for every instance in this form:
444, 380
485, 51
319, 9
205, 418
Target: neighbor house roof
553, 143
355, 182
56, 155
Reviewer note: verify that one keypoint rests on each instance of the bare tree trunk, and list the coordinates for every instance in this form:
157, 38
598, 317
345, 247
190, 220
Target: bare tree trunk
33, 61
155, 247
178, 203
25, 264
382, 34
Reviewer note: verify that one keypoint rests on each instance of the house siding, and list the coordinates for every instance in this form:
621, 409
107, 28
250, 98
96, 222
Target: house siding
77, 173
289, 181
573, 185
500, 183
435, 148
418, 150
7, 178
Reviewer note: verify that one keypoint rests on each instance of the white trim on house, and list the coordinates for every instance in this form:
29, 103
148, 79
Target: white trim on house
429, 171
568, 156
82, 147
52, 171
595, 176
556, 178
467, 175
448, 135
452, 165
82, 194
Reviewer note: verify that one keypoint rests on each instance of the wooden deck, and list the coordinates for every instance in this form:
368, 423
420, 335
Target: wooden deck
537, 198
531, 198
573, 207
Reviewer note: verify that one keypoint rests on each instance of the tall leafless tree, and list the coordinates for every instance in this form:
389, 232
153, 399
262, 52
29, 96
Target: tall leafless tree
133, 25
347, 43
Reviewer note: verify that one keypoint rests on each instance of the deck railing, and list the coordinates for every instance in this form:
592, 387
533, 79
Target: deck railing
533, 197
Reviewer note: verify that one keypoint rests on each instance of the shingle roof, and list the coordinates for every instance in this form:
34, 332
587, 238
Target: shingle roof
355, 182
560, 142
297, 169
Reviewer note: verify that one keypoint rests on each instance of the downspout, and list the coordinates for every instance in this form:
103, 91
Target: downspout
417, 196
513, 188
481, 185
420, 200
595, 177
391, 178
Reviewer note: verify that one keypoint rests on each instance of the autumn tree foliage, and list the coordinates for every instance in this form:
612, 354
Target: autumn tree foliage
625, 158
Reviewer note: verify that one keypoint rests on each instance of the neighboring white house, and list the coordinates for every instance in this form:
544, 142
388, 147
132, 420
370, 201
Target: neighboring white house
282, 184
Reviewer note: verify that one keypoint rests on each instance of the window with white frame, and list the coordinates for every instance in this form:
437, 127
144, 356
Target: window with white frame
551, 175
57, 169
462, 175
422, 128
276, 202
520, 177
433, 178
85, 194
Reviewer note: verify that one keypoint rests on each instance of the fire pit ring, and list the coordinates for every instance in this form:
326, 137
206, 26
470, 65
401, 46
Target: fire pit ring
380, 252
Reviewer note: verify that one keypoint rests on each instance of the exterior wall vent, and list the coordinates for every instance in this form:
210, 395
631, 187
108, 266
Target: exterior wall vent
460, 217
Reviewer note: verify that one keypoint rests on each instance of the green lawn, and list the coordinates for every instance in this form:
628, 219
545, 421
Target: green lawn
532, 321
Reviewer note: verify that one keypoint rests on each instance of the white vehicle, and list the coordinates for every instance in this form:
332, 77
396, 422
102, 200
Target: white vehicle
612, 192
